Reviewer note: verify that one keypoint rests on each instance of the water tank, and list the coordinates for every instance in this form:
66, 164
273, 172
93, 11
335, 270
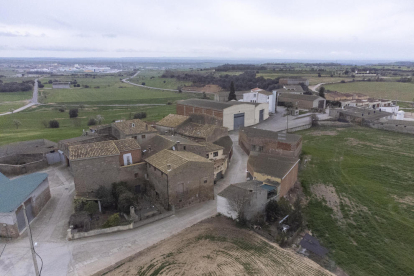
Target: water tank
400, 115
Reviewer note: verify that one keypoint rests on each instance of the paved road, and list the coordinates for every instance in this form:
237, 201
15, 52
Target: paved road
87, 256
33, 101
126, 80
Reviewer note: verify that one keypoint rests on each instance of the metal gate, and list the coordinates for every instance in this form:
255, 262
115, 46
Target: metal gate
21, 223
261, 115
238, 121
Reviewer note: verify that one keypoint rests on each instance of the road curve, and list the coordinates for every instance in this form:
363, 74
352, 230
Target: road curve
33, 101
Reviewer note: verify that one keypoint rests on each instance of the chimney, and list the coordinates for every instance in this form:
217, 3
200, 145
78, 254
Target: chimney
168, 167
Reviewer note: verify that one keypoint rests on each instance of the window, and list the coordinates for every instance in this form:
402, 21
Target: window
207, 156
136, 175
215, 154
205, 180
143, 136
184, 148
260, 148
135, 137
253, 147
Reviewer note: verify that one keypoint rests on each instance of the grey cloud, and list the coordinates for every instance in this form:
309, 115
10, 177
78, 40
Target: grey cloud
109, 35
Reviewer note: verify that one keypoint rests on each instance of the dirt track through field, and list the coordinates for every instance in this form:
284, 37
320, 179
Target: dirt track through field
217, 247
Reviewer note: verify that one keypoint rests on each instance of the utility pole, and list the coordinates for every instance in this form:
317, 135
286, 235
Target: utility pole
31, 241
287, 120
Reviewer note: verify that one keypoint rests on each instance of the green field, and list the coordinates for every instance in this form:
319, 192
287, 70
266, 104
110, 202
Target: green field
312, 77
14, 100
32, 126
153, 78
387, 90
369, 226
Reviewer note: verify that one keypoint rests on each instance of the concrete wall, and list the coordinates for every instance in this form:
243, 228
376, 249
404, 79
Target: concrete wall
10, 170
247, 109
262, 106
255, 206
401, 127
224, 208
11, 229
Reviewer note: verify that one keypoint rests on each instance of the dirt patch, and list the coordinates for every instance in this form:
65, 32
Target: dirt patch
209, 88
406, 200
217, 247
333, 200
324, 133
328, 193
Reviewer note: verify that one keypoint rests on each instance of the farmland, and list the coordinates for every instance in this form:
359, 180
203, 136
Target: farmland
361, 189
14, 100
226, 250
153, 78
32, 121
388, 90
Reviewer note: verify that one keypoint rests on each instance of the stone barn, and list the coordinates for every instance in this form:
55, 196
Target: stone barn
180, 178
32, 190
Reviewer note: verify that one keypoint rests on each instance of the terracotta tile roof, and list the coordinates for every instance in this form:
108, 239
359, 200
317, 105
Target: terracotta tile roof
182, 140
169, 160
197, 130
126, 144
135, 126
211, 147
84, 151
172, 120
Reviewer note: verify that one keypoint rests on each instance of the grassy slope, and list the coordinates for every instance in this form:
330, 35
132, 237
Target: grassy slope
32, 127
369, 174
390, 90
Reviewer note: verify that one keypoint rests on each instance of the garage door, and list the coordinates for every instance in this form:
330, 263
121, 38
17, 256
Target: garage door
261, 115
238, 121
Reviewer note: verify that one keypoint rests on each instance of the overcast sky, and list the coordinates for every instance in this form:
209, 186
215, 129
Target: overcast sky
288, 29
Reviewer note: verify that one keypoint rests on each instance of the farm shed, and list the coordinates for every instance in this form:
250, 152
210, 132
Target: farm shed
233, 114
32, 190
273, 169
266, 141
302, 101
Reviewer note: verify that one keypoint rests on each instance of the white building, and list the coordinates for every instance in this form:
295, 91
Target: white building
258, 95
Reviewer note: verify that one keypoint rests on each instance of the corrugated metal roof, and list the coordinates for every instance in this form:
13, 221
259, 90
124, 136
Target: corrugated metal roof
14, 192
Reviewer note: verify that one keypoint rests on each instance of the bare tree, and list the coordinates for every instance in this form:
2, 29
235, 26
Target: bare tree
99, 119
238, 202
17, 123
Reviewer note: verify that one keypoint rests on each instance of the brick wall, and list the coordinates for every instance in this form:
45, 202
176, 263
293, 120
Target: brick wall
135, 154
288, 182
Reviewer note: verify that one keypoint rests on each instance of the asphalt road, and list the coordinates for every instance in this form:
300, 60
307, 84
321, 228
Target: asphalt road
33, 101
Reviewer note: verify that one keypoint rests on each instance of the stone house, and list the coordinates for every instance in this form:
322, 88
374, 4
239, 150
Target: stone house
170, 123
180, 178
302, 101
279, 172
32, 190
104, 163
136, 129
270, 142
208, 150
202, 133
64, 145
248, 198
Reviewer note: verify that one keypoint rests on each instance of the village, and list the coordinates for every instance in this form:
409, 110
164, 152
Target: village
237, 156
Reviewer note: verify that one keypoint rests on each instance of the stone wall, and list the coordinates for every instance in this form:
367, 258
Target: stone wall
9, 231
40, 197
33, 166
401, 127
133, 174
206, 119
288, 181
159, 185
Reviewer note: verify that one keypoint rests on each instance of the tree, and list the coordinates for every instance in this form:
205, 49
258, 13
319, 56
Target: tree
99, 119
50, 82
140, 115
204, 95
73, 113
92, 122
53, 124
232, 94
17, 123
143, 83
322, 92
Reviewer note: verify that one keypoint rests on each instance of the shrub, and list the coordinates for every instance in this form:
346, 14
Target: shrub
92, 122
342, 81
276, 210
125, 200
53, 124
140, 115
79, 204
169, 103
73, 113
78, 220
44, 123
61, 109
112, 221
105, 196
118, 188
91, 207
50, 82
143, 83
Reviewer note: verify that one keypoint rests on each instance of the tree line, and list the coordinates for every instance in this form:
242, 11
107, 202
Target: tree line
245, 81
16, 87
239, 67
